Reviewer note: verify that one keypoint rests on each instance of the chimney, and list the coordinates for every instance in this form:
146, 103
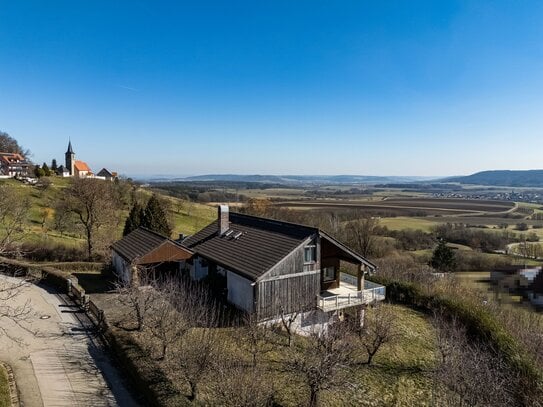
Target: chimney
224, 219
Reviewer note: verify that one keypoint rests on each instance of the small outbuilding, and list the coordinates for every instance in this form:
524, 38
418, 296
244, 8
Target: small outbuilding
106, 174
146, 251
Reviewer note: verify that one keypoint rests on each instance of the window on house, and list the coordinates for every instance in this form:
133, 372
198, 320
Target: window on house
329, 273
310, 254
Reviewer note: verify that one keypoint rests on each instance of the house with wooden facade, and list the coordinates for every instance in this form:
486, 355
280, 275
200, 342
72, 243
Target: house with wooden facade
269, 268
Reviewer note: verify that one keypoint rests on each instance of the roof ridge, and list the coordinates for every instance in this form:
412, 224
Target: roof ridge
276, 221
153, 232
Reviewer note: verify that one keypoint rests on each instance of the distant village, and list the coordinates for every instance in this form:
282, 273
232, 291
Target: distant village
15, 165
530, 196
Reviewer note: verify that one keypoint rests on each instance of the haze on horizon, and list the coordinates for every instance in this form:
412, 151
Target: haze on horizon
409, 88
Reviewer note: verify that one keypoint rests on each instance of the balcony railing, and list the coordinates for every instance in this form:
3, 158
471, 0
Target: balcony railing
343, 297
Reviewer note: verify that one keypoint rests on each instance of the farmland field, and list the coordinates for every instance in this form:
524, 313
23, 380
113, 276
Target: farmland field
408, 207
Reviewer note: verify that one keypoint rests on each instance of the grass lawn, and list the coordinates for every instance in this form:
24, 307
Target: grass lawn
5, 399
192, 217
400, 374
402, 223
187, 217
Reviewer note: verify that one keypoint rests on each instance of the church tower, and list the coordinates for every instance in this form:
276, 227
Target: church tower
70, 159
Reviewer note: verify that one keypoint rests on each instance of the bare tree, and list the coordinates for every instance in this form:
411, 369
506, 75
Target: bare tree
288, 320
10, 288
138, 298
180, 306
468, 373
361, 233
197, 352
324, 361
13, 213
256, 339
94, 205
237, 385
380, 328
9, 145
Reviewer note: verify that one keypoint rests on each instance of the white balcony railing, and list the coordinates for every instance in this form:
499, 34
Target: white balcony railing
331, 301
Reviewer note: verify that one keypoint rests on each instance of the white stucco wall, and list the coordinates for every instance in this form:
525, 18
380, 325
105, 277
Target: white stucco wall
240, 291
198, 270
122, 268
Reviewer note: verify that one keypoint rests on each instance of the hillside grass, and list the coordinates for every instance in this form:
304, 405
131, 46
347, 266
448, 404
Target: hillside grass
403, 223
186, 217
400, 375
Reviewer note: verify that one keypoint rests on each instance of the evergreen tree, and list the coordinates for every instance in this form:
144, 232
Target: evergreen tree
46, 170
38, 172
54, 166
443, 258
134, 220
154, 217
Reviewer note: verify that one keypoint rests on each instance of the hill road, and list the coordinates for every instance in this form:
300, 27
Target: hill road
56, 357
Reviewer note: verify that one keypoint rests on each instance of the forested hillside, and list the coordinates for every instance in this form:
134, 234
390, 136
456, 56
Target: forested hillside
529, 178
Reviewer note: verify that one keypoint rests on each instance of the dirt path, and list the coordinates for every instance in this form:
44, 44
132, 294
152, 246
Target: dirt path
60, 361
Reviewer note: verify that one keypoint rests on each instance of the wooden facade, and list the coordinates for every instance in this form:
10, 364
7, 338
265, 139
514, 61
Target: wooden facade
166, 252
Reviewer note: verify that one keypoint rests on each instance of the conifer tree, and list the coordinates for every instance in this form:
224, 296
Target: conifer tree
38, 172
54, 166
443, 258
46, 170
154, 217
134, 220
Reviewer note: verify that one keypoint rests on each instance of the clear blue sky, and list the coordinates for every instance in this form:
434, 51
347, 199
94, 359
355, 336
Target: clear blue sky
282, 87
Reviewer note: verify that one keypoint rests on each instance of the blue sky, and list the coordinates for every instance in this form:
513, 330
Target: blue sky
280, 87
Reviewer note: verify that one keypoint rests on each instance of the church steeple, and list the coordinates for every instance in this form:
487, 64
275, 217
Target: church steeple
70, 159
70, 149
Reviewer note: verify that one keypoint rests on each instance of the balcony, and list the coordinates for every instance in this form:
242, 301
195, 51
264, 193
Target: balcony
347, 294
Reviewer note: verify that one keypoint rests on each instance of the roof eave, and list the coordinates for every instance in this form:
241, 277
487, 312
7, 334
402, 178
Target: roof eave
351, 252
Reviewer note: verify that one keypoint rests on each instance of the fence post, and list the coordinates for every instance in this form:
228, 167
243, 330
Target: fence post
69, 286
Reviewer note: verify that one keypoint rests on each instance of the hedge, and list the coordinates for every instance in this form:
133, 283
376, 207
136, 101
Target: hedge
143, 371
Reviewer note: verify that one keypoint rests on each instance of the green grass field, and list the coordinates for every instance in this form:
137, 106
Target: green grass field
186, 217
402, 223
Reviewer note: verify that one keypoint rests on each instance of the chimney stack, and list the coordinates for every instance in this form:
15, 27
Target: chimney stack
224, 219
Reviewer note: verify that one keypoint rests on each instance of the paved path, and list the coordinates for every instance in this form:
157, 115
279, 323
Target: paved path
60, 362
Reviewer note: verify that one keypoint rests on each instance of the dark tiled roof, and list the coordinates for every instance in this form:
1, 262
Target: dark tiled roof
262, 244
138, 243
105, 173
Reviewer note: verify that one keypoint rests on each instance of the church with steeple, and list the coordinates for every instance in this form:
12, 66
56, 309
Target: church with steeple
73, 167
80, 169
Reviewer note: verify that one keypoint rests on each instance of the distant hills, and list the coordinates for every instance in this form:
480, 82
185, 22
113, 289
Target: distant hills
304, 179
505, 178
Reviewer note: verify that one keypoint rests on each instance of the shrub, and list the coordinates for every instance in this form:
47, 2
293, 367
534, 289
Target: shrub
50, 251
522, 226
